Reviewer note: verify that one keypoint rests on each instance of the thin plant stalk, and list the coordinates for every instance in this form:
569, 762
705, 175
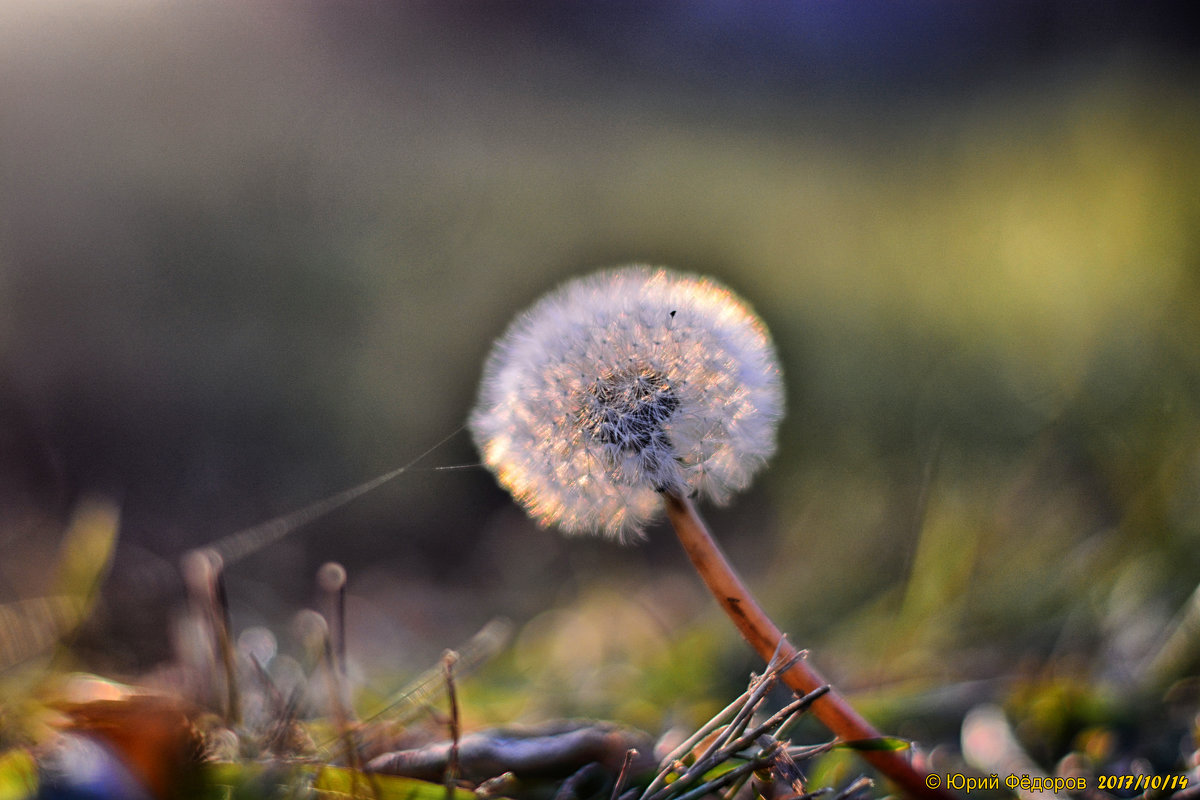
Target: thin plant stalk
449, 659
765, 637
623, 775
683, 749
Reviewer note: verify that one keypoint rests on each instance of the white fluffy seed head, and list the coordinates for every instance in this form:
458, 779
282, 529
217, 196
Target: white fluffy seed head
624, 384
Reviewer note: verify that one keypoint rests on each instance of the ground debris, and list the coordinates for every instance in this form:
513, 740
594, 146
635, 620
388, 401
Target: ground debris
552, 750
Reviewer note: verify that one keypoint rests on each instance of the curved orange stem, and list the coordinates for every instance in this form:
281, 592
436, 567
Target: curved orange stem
765, 637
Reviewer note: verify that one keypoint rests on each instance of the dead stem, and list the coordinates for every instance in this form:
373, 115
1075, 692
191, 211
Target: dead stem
342, 714
623, 775
203, 573
765, 637
331, 580
449, 659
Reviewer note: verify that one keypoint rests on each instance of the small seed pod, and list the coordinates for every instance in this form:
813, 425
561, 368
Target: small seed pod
623, 385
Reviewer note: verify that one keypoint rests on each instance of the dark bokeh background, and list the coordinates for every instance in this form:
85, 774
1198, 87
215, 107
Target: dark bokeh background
253, 253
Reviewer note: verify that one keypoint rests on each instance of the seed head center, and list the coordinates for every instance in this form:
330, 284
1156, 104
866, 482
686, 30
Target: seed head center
629, 409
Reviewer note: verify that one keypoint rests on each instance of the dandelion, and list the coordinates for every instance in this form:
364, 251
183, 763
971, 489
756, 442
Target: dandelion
625, 385
629, 392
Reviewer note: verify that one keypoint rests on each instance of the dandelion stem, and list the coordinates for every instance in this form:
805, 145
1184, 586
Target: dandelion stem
765, 637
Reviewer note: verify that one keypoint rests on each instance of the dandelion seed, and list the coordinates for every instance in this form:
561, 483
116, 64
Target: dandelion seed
624, 385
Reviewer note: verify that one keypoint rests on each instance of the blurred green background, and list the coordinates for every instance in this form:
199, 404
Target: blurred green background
254, 253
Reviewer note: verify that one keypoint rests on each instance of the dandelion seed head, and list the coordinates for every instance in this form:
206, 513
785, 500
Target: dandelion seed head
624, 384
